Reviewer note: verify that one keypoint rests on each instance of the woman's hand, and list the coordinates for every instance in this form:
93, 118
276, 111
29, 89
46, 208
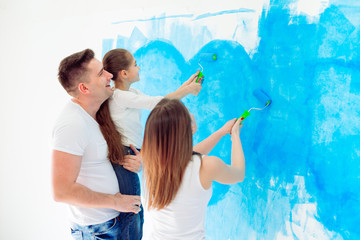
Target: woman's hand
236, 128
227, 127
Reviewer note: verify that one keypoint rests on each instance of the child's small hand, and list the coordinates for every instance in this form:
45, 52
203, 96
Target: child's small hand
192, 86
227, 127
133, 163
190, 80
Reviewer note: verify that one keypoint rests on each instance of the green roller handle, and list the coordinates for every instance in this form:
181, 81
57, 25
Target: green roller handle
244, 115
201, 75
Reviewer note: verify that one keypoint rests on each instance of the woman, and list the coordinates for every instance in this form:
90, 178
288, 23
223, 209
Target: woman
178, 181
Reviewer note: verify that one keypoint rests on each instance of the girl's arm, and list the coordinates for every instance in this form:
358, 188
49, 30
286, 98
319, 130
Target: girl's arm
204, 147
214, 169
188, 87
133, 99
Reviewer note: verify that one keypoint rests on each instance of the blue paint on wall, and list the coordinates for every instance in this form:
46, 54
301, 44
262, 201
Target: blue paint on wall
155, 18
319, 111
240, 10
107, 45
304, 150
120, 42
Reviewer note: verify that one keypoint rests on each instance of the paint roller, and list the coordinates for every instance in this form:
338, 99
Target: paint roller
263, 97
207, 57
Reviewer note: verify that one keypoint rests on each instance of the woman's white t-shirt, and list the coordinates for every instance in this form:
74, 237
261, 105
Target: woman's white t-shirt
184, 217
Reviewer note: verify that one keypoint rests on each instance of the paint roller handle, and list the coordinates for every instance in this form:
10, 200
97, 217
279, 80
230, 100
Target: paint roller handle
200, 77
244, 115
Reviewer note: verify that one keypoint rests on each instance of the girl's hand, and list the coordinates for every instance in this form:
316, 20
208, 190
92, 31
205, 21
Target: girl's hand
191, 79
133, 163
192, 86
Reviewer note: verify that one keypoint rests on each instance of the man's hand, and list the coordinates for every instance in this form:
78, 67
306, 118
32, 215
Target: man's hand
127, 203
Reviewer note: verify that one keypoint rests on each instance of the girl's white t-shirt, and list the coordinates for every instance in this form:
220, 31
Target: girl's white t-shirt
126, 108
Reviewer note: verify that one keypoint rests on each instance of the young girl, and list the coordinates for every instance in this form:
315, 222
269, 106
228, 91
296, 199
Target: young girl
178, 181
126, 106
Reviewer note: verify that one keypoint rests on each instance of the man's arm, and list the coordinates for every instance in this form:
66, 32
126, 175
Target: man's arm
65, 170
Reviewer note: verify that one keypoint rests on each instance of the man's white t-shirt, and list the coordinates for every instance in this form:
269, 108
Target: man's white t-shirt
77, 133
126, 108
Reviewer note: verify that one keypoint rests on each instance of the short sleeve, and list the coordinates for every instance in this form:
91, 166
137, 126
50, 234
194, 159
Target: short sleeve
70, 137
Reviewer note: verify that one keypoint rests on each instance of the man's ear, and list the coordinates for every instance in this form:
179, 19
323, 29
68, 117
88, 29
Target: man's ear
83, 88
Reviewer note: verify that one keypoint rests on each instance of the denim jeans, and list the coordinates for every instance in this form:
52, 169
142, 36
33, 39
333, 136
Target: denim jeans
109, 230
129, 184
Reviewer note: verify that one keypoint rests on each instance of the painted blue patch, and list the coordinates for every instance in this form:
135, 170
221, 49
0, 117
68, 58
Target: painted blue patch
136, 40
107, 45
120, 42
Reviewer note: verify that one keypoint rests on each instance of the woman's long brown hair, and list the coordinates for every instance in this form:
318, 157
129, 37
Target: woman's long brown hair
113, 138
167, 150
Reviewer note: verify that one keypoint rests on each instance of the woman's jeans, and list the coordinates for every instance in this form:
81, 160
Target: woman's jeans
110, 230
129, 184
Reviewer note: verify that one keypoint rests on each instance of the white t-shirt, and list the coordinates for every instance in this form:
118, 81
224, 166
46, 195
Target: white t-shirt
77, 133
184, 217
125, 110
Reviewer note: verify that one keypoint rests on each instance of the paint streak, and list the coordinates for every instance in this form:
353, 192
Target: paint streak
202, 16
240, 10
155, 18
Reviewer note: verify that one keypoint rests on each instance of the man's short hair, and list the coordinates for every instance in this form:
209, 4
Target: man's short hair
73, 68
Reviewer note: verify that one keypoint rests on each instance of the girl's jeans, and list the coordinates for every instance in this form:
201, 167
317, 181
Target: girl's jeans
129, 184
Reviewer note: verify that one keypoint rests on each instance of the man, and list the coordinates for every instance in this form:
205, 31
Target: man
82, 175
